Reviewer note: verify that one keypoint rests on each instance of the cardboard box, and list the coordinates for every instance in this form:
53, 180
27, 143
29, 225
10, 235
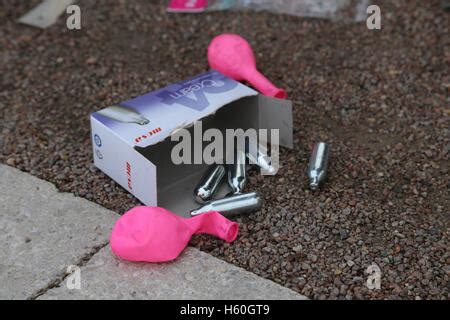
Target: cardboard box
132, 140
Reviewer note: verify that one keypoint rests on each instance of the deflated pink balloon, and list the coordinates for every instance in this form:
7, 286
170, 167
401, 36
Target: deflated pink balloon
232, 55
154, 234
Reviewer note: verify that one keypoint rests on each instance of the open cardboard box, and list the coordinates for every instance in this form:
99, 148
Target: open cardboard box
132, 141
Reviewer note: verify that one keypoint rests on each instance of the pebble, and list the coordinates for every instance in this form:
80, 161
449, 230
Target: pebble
343, 234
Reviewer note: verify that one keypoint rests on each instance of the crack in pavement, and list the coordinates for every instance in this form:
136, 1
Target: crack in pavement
63, 275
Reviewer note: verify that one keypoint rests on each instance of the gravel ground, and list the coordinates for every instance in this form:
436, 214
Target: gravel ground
380, 98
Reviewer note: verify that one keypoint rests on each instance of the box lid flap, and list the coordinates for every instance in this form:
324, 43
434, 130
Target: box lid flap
151, 118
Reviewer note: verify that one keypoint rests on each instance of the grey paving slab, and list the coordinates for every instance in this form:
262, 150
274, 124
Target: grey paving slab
42, 232
194, 275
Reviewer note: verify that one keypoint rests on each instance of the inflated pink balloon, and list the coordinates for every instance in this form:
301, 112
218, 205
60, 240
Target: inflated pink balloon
232, 55
154, 234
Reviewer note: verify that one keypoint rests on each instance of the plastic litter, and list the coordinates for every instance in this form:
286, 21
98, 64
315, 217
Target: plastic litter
46, 13
351, 10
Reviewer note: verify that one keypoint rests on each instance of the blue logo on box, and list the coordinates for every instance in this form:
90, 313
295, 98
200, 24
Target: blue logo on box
98, 154
97, 140
192, 94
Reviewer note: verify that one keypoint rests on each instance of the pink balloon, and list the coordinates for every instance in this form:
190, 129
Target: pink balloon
232, 55
154, 234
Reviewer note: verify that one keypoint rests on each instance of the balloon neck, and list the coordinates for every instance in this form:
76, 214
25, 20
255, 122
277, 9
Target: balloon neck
277, 93
262, 84
213, 223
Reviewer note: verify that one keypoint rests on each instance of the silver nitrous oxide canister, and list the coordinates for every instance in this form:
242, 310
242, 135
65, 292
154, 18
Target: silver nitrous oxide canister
237, 175
318, 165
232, 205
209, 184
